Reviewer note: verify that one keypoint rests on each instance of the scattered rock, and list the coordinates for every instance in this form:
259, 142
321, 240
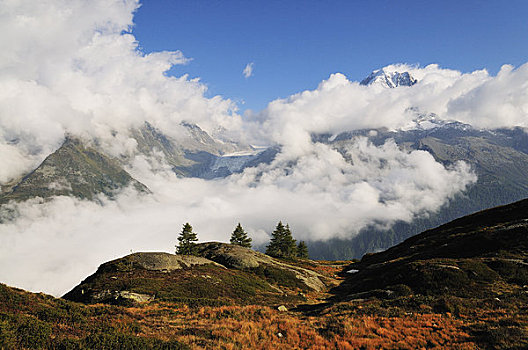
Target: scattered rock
282, 308
137, 297
107, 295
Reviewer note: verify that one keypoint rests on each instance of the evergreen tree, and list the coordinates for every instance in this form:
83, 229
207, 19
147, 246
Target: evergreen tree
186, 245
302, 250
289, 245
273, 248
240, 237
282, 244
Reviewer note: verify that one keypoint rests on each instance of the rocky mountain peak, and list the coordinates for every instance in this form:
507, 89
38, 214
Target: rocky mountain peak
389, 78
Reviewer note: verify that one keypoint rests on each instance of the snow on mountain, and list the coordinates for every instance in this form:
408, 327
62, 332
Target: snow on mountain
389, 79
232, 163
429, 121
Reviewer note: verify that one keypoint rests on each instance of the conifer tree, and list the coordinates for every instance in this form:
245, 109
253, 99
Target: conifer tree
302, 250
273, 248
187, 239
240, 237
282, 244
289, 245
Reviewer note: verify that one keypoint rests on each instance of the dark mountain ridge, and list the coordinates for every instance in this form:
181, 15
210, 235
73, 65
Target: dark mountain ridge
481, 255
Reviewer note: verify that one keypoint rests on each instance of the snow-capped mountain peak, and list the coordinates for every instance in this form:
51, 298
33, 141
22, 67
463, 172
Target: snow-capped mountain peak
389, 79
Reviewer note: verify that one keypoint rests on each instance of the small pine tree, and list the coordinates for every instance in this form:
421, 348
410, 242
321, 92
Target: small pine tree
240, 237
273, 248
187, 239
302, 250
289, 245
282, 244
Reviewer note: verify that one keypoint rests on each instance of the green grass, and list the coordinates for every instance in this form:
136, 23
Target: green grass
280, 277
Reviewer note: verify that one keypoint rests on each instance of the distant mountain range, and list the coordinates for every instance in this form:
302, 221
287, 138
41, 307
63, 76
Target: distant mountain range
82, 169
499, 158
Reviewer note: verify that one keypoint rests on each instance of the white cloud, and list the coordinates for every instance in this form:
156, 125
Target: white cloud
248, 70
76, 69
339, 104
52, 246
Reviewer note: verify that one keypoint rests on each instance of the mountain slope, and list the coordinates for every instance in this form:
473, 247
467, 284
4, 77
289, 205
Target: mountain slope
38, 321
475, 268
73, 170
195, 153
487, 246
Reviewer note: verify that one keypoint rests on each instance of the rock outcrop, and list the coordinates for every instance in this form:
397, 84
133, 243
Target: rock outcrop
157, 261
237, 257
223, 273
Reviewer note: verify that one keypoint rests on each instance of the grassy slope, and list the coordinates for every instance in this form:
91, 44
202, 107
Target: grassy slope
475, 267
460, 286
40, 321
201, 285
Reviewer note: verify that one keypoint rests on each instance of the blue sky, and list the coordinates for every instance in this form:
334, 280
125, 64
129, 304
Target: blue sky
296, 44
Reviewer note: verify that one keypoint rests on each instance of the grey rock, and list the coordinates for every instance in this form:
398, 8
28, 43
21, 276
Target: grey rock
237, 257
154, 261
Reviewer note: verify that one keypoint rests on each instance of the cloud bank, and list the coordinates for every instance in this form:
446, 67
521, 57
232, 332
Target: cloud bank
76, 68
52, 246
339, 104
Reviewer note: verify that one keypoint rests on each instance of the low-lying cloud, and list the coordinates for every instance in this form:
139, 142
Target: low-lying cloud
79, 70
53, 245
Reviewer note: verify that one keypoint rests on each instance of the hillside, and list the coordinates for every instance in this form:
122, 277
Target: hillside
225, 275
481, 255
462, 285
475, 267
